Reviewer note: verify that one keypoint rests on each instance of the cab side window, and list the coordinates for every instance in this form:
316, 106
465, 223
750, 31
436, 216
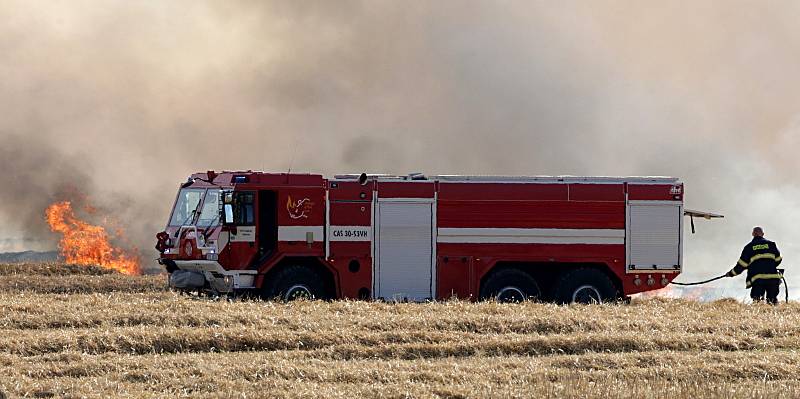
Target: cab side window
243, 208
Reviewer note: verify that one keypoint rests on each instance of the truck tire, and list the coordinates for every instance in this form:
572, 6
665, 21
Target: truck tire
294, 282
585, 286
510, 285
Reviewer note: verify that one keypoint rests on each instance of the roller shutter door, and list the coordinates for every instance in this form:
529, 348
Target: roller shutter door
654, 235
405, 251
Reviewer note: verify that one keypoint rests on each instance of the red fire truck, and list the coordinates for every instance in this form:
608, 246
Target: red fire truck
417, 237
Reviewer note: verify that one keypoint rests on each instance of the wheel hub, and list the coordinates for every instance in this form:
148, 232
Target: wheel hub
298, 291
510, 294
586, 294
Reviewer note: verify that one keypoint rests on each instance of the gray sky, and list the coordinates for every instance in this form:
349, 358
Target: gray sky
118, 101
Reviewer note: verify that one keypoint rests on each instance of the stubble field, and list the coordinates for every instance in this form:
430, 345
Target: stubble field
75, 332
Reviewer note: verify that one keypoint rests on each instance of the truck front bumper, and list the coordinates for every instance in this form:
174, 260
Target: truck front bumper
215, 278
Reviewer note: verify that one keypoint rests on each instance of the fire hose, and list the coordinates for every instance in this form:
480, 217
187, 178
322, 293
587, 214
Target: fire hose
780, 271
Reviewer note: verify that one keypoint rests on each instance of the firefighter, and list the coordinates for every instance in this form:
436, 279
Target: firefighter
761, 259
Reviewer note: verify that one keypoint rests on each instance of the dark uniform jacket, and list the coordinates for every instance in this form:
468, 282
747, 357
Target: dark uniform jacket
761, 259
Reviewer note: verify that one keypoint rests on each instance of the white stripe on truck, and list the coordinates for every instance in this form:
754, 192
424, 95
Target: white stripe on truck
299, 233
530, 236
350, 233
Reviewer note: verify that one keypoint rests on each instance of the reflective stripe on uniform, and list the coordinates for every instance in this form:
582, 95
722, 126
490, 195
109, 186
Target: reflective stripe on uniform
762, 256
778, 259
766, 276
763, 276
743, 264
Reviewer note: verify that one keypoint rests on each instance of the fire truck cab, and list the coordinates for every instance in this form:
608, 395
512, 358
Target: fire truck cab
417, 237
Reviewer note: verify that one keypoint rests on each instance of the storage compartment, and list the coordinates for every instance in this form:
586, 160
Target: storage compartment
653, 236
405, 250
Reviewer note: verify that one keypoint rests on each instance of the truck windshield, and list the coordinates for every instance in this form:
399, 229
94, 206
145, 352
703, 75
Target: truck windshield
209, 215
186, 206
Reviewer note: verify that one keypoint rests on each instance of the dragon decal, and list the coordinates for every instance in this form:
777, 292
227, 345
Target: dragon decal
299, 209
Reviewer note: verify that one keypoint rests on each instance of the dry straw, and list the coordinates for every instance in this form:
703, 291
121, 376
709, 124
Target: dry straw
93, 334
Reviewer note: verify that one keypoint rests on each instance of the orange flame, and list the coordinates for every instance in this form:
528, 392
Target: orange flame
86, 244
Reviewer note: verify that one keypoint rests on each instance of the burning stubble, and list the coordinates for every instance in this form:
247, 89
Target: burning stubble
86, 244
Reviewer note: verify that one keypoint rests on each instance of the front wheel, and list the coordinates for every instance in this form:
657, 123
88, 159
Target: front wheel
585, 286
510, 285
292, 283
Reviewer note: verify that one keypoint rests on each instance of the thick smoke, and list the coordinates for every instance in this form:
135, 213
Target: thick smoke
142, 94
36, 174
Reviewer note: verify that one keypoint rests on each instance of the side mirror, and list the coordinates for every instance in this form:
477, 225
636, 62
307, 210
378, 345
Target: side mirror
227, 217
226, 208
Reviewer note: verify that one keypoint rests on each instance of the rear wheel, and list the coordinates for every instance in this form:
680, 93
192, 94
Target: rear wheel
585, 286
294, 282
510, 285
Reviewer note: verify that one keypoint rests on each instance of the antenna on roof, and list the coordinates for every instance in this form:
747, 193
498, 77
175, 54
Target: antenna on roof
291, 159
